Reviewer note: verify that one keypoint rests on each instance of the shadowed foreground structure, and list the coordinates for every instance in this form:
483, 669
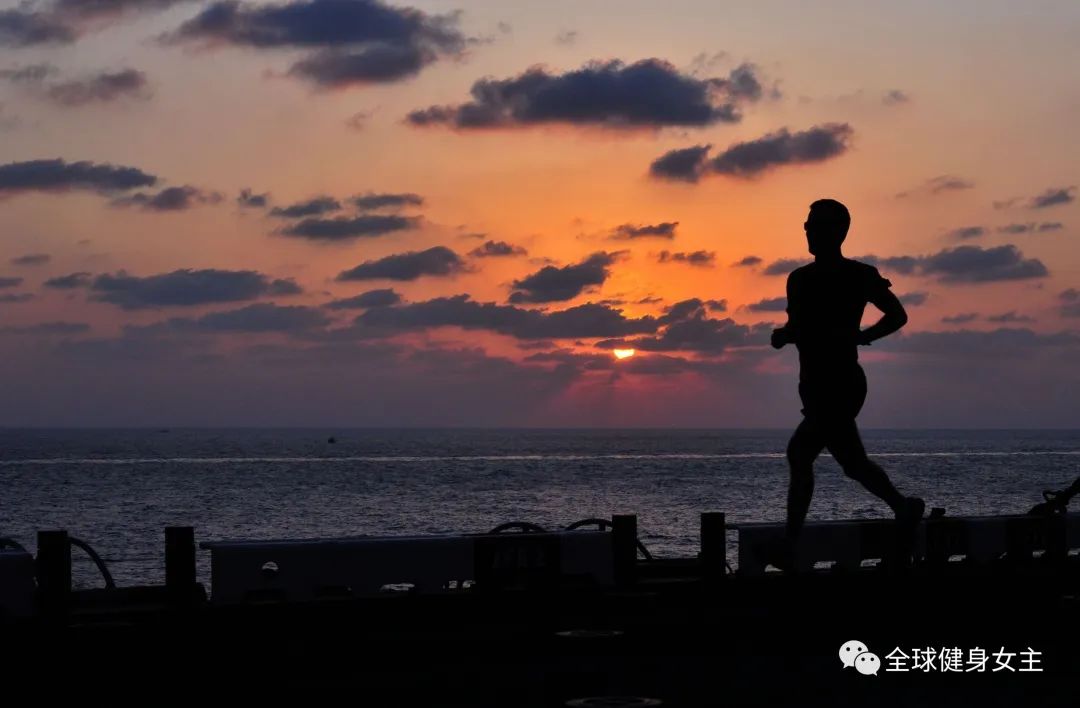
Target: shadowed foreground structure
684, 632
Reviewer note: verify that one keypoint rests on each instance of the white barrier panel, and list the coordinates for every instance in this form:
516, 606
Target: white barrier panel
844, 543
308, 569
979, 539
17, 584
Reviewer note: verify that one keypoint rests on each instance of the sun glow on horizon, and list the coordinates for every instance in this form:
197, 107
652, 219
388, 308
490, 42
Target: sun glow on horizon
623, 353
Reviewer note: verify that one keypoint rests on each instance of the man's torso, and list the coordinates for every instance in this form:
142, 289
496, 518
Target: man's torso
826, 304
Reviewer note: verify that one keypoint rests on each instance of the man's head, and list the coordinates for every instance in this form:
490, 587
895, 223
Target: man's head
826, 226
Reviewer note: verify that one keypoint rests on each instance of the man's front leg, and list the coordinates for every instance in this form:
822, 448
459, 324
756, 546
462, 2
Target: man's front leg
800, 492
805, 445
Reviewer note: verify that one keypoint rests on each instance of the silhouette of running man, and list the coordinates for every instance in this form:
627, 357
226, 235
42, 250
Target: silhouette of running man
825, 303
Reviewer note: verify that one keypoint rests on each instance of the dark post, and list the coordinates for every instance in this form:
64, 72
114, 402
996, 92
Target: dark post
937, 541
54, 574
1057, 544
624, 546
1019, 540
179, 563
713, 554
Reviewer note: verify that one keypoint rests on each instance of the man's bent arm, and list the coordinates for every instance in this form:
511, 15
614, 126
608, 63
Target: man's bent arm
791, 327
894, 318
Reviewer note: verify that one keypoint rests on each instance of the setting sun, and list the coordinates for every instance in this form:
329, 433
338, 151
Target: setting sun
623, 353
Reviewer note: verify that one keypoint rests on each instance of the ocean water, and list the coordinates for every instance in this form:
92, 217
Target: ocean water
118, 489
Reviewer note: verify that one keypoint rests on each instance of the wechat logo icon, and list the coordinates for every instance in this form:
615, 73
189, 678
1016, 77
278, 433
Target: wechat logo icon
856, 654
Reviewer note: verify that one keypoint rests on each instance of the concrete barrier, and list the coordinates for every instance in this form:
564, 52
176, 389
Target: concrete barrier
310, 569
975, 539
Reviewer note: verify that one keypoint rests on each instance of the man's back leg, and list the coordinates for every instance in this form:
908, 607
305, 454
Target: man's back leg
846, 447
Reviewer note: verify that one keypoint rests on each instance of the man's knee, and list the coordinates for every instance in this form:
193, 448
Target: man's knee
800, 460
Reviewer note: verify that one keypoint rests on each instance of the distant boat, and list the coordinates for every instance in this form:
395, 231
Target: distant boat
331, 440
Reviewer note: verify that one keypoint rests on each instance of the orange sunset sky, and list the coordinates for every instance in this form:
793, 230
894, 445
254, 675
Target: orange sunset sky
349, 212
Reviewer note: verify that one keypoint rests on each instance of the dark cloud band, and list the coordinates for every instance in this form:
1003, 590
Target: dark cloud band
31, 259
58, 176
169, 199
583, 321
383, 297
964, 233
185, 288
627, 232
104, 87
350, 41
315, 206
686, 326
496, 249
436, 261
703, 259
68, 282
260, 317
783, 147
1053, 197
25, 28
772, 304
752, 158
650, 93
937, 185
374, 200
555, 284
344, 228
64, 21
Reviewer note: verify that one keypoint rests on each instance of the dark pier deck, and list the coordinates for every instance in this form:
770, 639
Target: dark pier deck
682, 632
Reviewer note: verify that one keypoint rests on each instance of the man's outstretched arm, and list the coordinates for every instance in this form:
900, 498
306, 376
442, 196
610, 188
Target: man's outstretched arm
894, 317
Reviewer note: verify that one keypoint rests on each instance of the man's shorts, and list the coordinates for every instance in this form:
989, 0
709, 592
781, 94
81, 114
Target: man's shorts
837, 396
